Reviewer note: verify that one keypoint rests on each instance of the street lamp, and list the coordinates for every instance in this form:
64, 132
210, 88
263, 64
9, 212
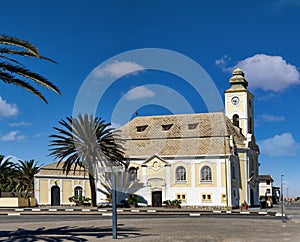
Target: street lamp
114, 205
281, 194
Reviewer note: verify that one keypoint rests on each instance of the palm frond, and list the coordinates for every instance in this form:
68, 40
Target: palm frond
12, 41
29, 74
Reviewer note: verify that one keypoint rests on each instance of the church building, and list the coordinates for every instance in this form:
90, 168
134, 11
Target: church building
203, 159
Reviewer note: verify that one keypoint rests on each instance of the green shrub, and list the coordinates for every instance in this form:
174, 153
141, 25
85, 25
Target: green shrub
80, 200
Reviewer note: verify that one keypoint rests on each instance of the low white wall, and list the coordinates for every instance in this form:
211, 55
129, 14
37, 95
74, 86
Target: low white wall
12, 202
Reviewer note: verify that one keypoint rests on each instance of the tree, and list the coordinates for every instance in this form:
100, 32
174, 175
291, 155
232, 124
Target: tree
25, 174
7, 170
87, 141
14, 72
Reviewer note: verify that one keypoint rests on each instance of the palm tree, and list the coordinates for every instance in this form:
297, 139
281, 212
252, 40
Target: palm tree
25, 175
86, 141
14, 72
7, 169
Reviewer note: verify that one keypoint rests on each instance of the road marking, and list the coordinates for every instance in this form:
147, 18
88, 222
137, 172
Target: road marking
106, 214
244, 212
35, 210
120, 210
216, 211
69, 209
13, 214
135, 210
194, 214
52, 210
19, 209
151, 211
86, 210
102, 210
262, 213
228, 211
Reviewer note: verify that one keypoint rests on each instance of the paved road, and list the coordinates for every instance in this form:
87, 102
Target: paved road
175, 228
154, 229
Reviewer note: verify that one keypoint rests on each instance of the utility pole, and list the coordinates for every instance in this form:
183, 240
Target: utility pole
281, 195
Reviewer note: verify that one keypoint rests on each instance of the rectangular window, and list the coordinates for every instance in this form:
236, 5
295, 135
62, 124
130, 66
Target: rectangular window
268, 182
181, 196
206, 197
268, 191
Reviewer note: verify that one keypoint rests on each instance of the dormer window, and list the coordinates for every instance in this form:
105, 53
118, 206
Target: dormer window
192, 126
166, 127
141, 128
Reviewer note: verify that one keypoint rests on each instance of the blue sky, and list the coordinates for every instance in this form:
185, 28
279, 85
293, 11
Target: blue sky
261, 37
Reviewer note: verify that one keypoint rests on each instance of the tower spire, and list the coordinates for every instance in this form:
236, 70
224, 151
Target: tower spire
238, 78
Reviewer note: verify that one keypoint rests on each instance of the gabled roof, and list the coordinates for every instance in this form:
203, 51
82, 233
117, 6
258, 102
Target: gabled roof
265, 177
57, 169
153, 157
181, 138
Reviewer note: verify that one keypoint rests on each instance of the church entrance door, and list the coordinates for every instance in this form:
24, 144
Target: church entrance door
251, 197
55, 196
157, 199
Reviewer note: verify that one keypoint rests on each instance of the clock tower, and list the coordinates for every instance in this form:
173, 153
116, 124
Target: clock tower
239, 103
239, 109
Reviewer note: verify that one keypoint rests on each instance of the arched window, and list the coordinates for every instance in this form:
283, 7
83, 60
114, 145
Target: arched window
78, 191
233, 171
132, 173
180, 173
235, 120
205, 174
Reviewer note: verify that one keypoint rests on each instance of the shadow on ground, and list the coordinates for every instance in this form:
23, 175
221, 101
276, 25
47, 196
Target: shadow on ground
68, 233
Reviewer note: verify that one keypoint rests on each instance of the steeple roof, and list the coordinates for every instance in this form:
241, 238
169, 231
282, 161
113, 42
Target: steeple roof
238, 78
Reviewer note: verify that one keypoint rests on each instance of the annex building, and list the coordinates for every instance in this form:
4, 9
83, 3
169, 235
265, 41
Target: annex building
204, 159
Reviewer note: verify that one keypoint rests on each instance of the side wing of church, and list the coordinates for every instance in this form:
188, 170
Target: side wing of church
206, 159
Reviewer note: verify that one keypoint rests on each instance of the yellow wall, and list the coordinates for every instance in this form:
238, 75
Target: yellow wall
223, 178
214, 174
244, 186
87, 189
67, 191
13, 202
44, 190
188, 175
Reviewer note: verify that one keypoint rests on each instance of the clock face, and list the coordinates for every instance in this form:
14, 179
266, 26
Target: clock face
235, 100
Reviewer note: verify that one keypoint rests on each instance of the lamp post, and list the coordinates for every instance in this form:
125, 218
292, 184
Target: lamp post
281, 195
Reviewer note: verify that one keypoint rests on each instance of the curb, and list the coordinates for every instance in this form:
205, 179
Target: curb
127, 211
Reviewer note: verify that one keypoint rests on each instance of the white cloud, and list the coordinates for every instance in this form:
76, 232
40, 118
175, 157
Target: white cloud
270, 73
271, 118
12, 136
19, 124
223, 62
118, 69
280, 145
7, 109
139, 93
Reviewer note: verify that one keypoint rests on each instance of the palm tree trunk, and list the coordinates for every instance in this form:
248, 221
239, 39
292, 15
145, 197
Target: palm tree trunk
93, 190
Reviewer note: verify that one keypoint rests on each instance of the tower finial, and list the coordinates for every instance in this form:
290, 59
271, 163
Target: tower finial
238, 77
